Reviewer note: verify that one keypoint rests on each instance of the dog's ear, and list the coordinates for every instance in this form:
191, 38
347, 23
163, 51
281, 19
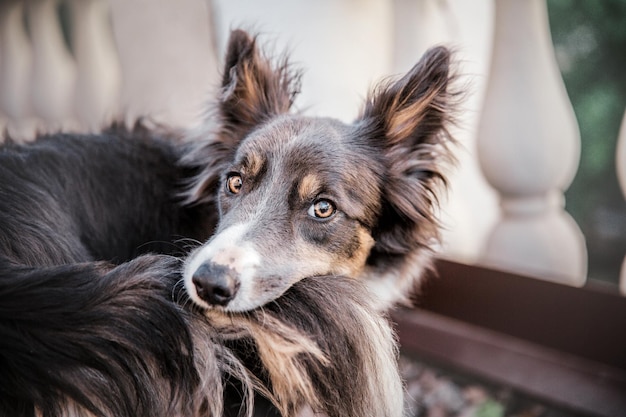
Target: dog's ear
254, 88
407, 121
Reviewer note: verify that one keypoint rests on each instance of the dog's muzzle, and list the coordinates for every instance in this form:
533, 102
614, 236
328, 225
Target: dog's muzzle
215, 284
224, 272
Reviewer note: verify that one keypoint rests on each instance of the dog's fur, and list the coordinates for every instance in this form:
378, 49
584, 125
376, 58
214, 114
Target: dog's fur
290, 302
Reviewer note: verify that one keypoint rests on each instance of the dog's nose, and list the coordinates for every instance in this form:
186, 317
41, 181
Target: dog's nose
216, 284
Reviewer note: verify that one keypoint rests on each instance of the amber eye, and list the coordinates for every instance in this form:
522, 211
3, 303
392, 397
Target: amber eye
321, 209
234, 183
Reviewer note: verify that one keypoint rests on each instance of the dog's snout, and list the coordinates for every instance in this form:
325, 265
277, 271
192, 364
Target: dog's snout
216, 284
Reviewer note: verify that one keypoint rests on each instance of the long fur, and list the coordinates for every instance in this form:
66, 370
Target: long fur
93, 323
88, 347
299, 340
83, 336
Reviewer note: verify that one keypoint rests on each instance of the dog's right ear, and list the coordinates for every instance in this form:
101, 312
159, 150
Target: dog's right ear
254, 89
407, 122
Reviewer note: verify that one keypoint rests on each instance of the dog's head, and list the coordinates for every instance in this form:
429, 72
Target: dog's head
303, 196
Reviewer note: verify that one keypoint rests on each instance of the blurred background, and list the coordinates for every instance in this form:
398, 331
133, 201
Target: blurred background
590, 46
541, 157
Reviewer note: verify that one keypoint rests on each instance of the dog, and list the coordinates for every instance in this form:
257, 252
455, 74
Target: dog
302, 196
147, 273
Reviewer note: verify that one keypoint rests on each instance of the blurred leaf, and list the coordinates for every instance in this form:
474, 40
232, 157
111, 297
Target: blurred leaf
490, 408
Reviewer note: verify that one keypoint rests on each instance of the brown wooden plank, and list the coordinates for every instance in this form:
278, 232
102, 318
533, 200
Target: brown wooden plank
583, 322
555, 377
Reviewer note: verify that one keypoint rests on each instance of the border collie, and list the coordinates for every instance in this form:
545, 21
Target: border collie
144, 274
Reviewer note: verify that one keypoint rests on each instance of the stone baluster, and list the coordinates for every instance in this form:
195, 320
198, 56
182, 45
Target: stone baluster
15, 70
529, 147
54, 72
620, 162
98, 81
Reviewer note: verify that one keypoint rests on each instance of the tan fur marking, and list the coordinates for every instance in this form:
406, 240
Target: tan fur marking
404, 120
279, 346
354, 267
309, 186
291, 383
360, 258
316, 262
253, 163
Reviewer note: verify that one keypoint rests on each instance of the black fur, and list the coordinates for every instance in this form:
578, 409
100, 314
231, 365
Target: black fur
76, 198
94, 334
90, 331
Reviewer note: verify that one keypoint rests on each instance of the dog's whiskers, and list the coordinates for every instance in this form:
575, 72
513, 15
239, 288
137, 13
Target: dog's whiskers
179, 294
188, 243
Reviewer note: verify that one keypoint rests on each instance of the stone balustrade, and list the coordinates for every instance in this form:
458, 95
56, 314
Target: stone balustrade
47, 87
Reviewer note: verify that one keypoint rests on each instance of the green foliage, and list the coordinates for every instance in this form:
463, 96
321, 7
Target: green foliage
490, 408
590, 44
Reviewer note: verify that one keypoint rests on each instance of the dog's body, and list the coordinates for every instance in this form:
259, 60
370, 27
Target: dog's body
311, 227
99, 197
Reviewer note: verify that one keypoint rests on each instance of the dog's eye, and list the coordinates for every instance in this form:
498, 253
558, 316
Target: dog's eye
234, 183
321, 209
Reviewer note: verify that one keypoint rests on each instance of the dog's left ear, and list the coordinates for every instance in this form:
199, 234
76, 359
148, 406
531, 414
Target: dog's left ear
407, 121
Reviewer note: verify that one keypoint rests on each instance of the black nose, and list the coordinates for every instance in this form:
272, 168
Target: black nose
216, 284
